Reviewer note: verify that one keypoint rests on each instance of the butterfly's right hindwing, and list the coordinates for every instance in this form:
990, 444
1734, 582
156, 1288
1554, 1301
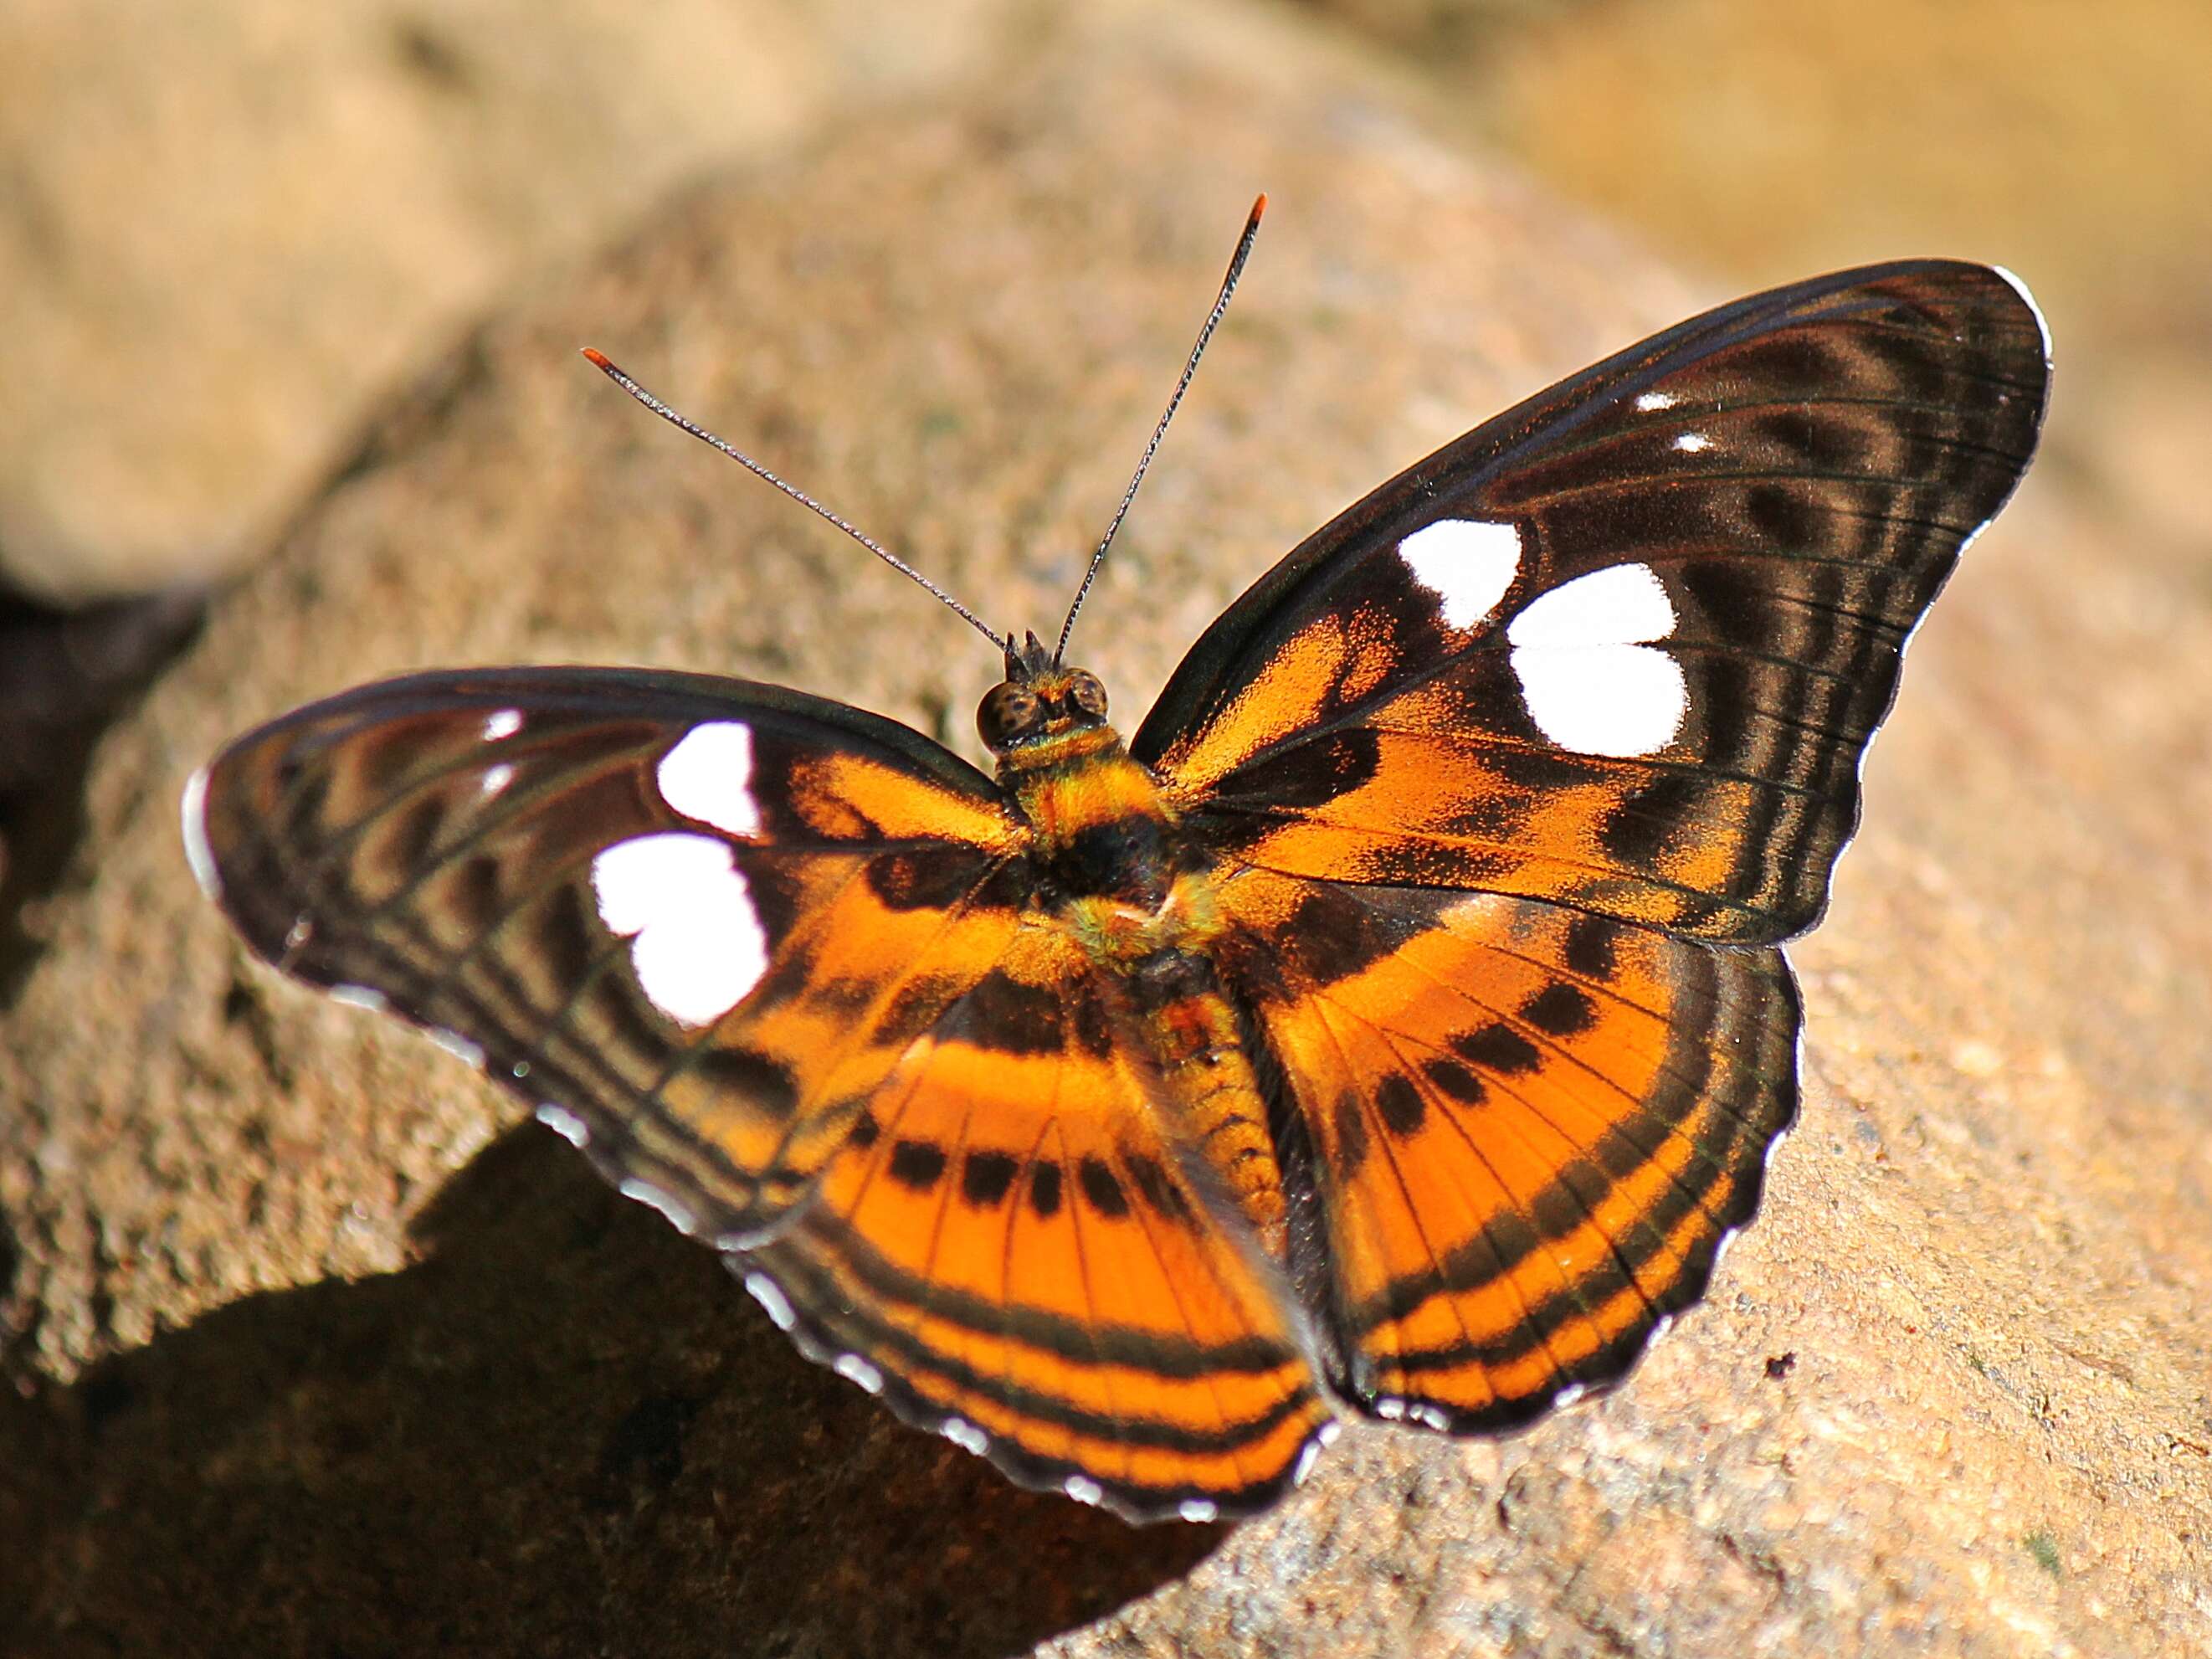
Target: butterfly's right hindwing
1531, 1129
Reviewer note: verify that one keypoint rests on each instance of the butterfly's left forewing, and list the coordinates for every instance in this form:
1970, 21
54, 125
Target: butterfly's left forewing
697, 919
1623, 646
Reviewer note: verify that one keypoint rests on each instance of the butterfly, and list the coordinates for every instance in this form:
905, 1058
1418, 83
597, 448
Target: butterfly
1395, 1027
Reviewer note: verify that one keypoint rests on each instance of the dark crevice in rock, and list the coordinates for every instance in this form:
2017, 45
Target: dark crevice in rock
64, 677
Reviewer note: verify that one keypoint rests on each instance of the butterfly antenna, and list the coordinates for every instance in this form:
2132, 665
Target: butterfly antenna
1213, 321
599, 361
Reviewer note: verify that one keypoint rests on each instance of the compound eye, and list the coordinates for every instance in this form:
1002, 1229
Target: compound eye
1089, 695
1006, 714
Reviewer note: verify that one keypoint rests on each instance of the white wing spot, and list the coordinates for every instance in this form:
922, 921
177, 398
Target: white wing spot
1590, 681
770, 1294
519, 1070
965, 1434
504, 723
1467, 563
1690, 443
197, 853
1390, 1411
857, 1369
742, 1241
679, 1213
699, 944
564, 1123
361, 996
456, 1045
1084, 1490
497, 778
1307, 1458
1198, 1509
1651, 402
708, 776
1327, 1432
1430, 1416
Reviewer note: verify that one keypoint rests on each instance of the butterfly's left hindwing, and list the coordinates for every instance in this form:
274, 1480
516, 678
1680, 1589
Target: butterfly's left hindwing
697, 918
1531, 1128
1622, 647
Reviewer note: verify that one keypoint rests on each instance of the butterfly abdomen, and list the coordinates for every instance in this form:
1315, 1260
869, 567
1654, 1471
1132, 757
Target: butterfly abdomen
1107, 845
1173, 1000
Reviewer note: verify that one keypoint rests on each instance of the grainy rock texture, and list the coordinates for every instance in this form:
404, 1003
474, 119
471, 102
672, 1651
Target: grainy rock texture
317, 1346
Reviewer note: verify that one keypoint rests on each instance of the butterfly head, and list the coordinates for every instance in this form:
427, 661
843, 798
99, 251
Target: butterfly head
1038, 699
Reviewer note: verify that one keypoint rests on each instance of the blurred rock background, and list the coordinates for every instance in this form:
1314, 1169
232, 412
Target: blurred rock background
250, 253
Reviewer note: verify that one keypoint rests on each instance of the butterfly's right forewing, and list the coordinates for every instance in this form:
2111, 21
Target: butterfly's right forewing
1624, 646
698, 919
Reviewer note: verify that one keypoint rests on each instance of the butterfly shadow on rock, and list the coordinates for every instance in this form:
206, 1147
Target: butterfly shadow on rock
563, 1430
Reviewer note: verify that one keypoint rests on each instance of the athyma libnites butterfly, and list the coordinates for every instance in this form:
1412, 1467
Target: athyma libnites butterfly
1395, 1025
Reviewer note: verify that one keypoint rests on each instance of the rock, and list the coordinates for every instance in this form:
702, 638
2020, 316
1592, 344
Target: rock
1823, 134
63, 676
222, 241
317, 1343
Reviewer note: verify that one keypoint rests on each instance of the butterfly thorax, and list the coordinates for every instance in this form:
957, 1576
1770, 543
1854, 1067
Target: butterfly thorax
1110, 870
1103, 833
